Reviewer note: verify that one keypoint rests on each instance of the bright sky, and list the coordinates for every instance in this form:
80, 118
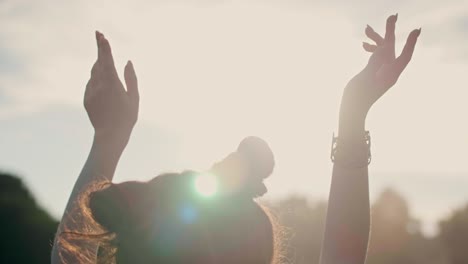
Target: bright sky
212, 72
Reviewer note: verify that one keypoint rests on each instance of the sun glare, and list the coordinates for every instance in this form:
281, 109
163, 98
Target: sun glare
206, 185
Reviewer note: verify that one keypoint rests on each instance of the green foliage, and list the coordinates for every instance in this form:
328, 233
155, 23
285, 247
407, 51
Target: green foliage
27, 231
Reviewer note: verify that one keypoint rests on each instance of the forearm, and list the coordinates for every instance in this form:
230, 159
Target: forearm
103, 158
348, 217
348, 214
99, 167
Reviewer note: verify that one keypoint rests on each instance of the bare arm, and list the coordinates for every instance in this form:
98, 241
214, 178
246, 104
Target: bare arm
348, 216
113, 111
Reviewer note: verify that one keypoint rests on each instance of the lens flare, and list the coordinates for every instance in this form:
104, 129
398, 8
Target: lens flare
188, 214
206, 185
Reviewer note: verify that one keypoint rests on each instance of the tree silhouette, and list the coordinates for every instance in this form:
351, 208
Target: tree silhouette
396, 236
26, 229
390, 228
454, 236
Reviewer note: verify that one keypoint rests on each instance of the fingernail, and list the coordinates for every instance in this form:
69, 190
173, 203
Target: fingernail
419, 31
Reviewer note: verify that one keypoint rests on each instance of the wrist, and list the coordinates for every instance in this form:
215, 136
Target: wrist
352, 116
113, 135
351, 126
106, 151
111, 141
354, 153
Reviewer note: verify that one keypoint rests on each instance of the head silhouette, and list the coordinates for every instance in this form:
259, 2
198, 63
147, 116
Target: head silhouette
193, 217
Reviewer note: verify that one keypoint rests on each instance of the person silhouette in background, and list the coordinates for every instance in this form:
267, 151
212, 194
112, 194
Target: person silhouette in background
188, 217
348, 216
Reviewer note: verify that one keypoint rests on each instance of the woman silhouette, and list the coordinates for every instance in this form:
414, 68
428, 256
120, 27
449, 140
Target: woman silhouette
188, 217
211, 217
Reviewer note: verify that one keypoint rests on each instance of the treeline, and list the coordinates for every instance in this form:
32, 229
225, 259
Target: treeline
396, 236
27, 231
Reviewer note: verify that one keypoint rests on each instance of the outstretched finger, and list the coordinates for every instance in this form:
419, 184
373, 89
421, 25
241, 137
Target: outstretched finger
131, 81
105, 57
370, 33
98, 40
402, 61
390, 36
369, 47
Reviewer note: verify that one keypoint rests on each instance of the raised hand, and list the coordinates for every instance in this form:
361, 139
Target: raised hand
113, 111
380, 74
348, 215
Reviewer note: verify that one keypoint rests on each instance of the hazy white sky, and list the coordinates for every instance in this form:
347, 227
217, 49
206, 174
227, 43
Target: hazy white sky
212, 72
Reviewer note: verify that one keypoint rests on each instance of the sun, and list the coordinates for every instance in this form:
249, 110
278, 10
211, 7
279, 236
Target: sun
206, 185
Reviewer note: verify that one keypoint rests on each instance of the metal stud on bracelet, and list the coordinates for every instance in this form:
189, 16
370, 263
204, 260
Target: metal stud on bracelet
337, 144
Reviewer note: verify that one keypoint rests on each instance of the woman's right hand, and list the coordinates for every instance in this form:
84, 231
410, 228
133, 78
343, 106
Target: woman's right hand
113, 111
